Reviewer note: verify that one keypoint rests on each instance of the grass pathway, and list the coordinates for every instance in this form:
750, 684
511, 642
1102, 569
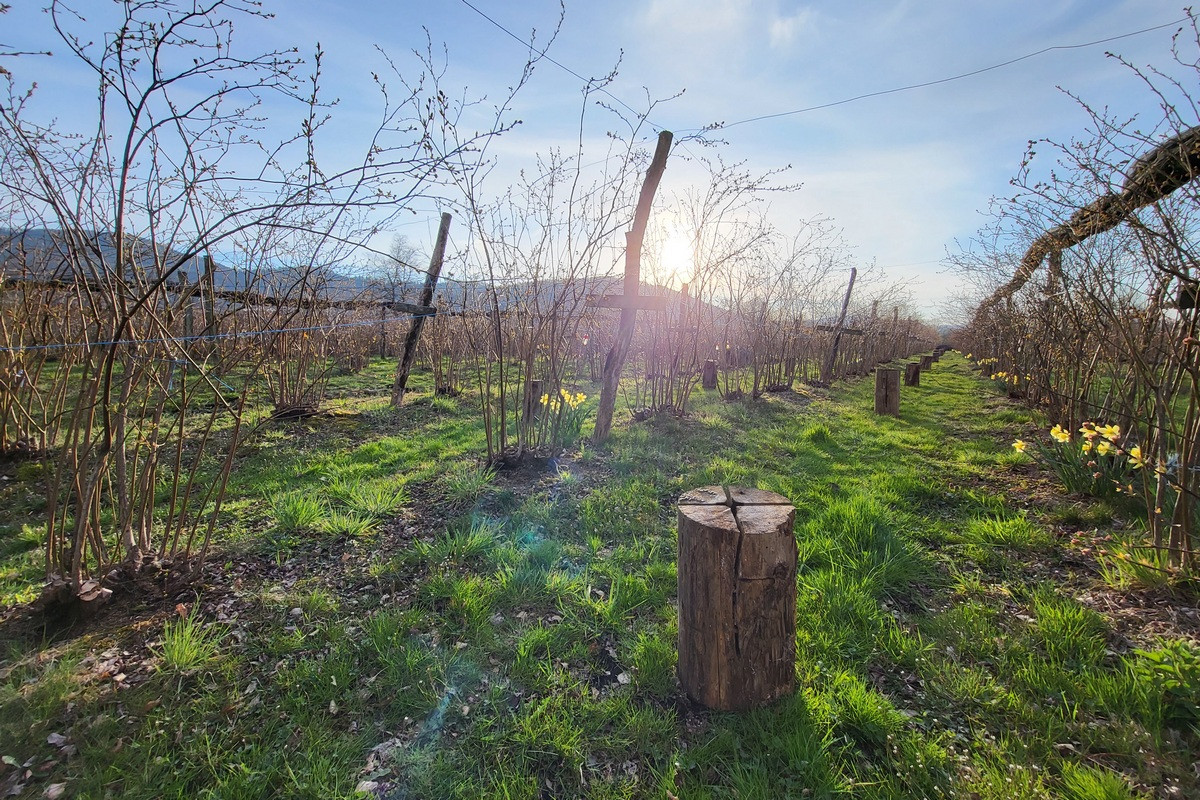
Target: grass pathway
515, 638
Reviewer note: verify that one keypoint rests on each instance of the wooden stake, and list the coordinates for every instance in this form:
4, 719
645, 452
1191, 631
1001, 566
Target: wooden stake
827, 372
208, 292
614, 362
409, 354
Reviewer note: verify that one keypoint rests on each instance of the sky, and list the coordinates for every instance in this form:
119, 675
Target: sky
905, 175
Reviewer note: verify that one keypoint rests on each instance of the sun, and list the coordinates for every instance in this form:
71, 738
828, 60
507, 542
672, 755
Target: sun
676, 255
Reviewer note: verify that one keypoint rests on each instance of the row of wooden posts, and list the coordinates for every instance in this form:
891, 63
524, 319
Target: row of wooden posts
737, 581
887, 381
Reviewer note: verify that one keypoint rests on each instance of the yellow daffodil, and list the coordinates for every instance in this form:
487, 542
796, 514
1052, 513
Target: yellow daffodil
545, 399
1060, 434
1089, 430
1135, 457
1019, 446
1110, 432
1103, 448
1087, 446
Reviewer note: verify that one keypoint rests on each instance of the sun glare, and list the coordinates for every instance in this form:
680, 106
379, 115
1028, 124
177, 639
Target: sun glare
676, 258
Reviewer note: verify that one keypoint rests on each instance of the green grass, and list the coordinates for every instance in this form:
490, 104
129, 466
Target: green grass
189, 643
466, 483
515, 637
298, 512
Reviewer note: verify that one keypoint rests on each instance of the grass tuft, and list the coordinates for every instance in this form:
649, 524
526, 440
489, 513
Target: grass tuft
298, 512
466, 483
349, 524
189, 643
1090, 783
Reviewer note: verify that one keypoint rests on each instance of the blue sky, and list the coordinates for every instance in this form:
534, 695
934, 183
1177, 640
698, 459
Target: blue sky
904, 175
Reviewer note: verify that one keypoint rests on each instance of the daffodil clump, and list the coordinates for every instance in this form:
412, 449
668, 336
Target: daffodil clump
1094, 461
566, 416
1010, 378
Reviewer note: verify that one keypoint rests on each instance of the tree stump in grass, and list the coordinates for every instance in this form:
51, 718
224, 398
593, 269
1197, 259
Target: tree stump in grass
708, 377
926, 362
533, 400
912, 374
887, 391
737, 597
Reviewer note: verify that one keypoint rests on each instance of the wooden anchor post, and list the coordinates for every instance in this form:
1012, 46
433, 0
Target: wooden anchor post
409, 354
629, 303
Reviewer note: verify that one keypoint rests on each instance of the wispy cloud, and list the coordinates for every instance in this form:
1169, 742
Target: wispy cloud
786, 29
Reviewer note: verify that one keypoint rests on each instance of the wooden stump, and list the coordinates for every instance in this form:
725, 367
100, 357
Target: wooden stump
887, 391
737, 597
912, 374
708, 378
926, 363
533, 400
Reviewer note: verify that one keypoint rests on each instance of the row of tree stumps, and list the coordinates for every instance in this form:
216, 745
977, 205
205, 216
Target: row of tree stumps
737, 582
887, 382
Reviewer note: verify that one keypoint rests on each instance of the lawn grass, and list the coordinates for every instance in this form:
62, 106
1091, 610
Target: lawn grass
393, 618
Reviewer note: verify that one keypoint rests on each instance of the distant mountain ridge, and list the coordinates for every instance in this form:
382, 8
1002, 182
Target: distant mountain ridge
44, 254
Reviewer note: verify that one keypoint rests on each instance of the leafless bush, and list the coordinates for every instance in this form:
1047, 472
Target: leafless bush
1107, 331
173, 180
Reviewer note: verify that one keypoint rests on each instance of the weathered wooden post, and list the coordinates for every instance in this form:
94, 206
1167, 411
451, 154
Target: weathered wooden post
614, 362
926, 363
533, 399
737, 596
708, 378
189, 316
912, 374
208, 300
409, 354
831, 357
887, 391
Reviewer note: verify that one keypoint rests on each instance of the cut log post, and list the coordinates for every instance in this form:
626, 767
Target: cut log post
926, 363
737, 597
887, 391
709, 377
533, 400
912, 374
